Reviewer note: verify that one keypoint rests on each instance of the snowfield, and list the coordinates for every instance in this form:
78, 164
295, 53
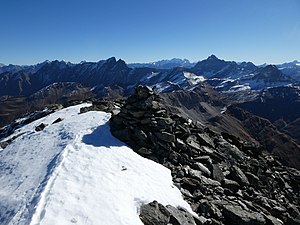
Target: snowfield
76, 172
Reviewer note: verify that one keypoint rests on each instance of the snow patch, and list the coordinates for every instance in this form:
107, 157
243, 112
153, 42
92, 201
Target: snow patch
193, 78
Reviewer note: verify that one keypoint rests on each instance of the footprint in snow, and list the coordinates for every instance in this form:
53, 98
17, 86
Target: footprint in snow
73, 220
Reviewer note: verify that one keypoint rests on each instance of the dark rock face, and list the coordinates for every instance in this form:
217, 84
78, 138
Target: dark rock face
155, 213
225, 180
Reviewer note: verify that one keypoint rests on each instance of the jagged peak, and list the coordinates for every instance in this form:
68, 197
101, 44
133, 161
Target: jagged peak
270, 67
111, 60
212, 57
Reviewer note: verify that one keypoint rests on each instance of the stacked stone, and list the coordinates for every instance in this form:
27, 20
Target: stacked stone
226, 180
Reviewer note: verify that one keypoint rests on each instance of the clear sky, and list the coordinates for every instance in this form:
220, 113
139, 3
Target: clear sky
148, 30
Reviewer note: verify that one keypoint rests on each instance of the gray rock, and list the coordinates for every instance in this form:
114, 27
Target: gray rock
238, 175
217, 173
190, 184
146, 121
57, 120
271, 220
137, 114
231, 185
143, 92
165, 136
117, 120
292, 210
202, 168
144, 151
192, 142
210, 182
180, 216
204, 159
207, 150
154, 213
164, 122
235, 215
201, 220
180, 144
140, 134
195, 173
204, 139
252, 178
4, 144
231, 150
40, 127
293, 221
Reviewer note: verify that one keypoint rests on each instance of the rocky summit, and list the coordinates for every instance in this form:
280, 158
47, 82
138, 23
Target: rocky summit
224, 179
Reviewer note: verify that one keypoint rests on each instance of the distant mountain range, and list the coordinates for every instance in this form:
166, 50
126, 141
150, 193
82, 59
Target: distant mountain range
164, 75
165, 64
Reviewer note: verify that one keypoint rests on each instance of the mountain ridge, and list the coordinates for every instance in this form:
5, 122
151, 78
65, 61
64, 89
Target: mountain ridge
224, 75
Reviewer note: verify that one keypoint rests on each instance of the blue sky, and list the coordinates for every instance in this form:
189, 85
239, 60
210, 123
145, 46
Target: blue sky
141, 31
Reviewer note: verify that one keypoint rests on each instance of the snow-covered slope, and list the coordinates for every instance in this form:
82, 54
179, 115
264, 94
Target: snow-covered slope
75, 171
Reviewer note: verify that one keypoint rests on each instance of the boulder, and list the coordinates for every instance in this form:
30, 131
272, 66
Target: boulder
190, 184
235, 215
40, 127
3, 144
57, 120
238, 175
204, 139
154, 213
144, 151
202, 168
217, 173
165, 136
180, 216
192, 142
231, 185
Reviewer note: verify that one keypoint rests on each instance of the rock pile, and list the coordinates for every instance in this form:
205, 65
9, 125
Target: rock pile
225, 180
103, 105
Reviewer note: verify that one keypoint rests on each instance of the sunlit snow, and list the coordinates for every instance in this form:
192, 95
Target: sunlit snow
193, 78
76, 172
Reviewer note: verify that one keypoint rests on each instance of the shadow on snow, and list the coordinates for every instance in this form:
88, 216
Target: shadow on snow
102, 136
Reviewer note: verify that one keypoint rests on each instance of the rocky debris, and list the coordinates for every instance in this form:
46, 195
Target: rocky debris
238, 175
40, 127
9, 129
57, 120
236, 215
108, 106
155, 213
225, 179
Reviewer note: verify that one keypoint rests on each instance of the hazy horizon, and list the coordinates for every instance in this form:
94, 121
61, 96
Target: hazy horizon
142, 62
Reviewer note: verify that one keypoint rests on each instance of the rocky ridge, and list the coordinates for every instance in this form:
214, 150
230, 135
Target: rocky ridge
225, 180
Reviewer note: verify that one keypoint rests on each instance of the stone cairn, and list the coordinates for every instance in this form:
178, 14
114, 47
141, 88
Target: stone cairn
225, 180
